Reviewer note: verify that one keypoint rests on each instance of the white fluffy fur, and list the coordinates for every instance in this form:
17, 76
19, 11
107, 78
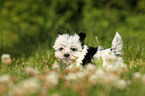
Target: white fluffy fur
117, 45
82, 55
67, 42
111, 62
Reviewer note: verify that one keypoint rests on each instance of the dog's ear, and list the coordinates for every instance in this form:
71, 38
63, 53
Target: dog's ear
82, 37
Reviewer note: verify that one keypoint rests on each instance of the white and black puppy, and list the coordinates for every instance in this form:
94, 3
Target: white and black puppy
70, 49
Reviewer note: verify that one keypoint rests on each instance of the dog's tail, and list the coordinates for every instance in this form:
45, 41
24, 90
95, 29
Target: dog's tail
117, 44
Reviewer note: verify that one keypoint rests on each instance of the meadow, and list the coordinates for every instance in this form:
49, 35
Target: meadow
28, 30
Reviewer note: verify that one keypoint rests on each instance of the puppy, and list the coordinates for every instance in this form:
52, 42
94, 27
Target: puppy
70, 50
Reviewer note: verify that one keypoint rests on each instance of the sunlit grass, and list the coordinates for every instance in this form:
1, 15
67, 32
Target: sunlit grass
39, 66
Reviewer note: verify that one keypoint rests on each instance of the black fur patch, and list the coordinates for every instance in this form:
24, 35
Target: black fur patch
89, 55
82, 37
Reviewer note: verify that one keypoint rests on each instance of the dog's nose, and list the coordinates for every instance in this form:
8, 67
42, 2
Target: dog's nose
66, 55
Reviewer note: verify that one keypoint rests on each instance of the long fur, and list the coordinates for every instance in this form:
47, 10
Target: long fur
117, 44
70, 49
116, 48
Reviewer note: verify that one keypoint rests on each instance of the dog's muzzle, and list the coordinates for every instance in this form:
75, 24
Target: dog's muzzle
66, 55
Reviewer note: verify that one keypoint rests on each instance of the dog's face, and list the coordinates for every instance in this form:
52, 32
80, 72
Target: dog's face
69, 47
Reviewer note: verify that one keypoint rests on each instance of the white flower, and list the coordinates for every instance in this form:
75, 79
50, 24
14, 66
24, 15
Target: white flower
5, 78
105, 77
80, 74
28, 86
55, 66
136, 76
100, 72
121, 84
6, 58
90, 67
52, 78
93, 78
124, 68
71, 77
128, 82
110, 78
31, 71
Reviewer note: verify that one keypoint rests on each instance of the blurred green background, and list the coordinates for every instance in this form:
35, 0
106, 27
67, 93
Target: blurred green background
26, 25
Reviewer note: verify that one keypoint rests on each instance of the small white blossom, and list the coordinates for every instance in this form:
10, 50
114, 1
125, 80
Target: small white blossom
121, 84
136, 76
52, 78
28, 86
100, 72
128, 82
124, 68
80, 74
71, 77
106, 77
5, 78
90, 68
55, 66
110, 78
93, 78
6, 58
31, 71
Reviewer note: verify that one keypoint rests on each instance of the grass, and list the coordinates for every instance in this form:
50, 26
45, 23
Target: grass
42, 57
30, 45
41, 61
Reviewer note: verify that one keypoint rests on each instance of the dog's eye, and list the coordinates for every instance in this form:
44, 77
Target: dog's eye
73, 49
60, 49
